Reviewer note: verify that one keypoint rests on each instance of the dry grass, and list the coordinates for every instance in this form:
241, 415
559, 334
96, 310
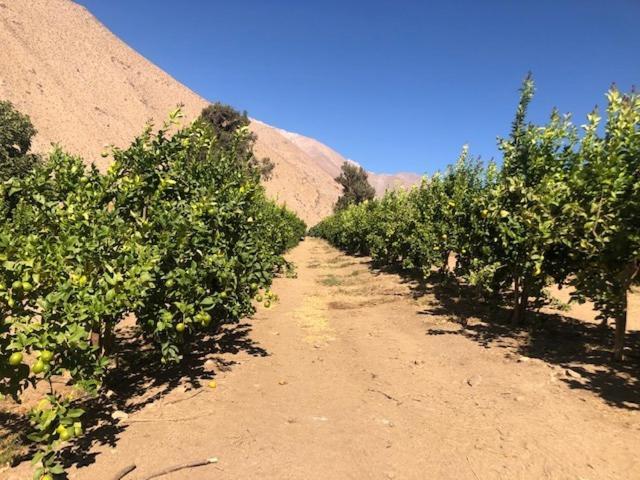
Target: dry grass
331, 281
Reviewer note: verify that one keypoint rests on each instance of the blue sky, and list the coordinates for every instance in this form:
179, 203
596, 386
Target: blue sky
395, 85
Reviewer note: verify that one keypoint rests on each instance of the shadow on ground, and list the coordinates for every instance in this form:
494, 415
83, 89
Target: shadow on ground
556, 338
140, 379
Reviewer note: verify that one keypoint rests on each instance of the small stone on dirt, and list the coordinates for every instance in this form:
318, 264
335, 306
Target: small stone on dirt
282, 382
573, 374
209, 365
119, 415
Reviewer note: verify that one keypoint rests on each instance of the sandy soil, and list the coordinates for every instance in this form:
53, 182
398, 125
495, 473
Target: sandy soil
355, 374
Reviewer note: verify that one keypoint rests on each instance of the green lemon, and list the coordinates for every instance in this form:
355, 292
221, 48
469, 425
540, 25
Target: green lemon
38, 367
15, 359
46, 356
180, 327
17, 285
205, 318
65, 435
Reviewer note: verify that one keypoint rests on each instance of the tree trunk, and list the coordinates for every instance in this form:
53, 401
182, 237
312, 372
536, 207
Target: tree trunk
621, 328
630, 273
524, 302
515, 320
521, 302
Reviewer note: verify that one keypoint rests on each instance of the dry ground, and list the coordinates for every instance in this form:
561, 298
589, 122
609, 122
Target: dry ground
359, 374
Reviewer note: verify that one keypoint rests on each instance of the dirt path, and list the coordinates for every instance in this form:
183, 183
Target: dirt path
352, 387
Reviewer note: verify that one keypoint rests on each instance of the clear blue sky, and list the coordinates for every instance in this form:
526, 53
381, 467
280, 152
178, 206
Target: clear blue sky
395, 85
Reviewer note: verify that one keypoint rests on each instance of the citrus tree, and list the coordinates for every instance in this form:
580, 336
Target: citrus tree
523, 237
563, 208
178, 233
604, 212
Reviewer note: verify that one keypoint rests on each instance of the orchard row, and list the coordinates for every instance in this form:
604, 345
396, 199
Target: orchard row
563, 209
178, 233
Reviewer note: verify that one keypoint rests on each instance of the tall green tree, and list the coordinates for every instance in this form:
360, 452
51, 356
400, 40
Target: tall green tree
355, 186
605, 212
16, 132
225, 122
525, 205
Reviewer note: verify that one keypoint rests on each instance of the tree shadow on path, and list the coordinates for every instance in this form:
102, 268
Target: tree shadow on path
140, 380
555, 338
558, 339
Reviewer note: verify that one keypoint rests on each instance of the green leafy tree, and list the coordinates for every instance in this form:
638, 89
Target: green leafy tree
16, 133
605, 212
355, 186
178, 232
225, 122
523, 237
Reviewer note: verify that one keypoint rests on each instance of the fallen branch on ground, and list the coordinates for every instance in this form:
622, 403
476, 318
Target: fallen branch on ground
124, 472
386, 395
183, 466
184, 399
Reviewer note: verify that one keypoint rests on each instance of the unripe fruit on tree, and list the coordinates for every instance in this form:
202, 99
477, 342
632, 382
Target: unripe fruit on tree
38, 367
27, 287
15, 359
223, 295
205, 318
46, 477
65, 435
46, 356
17, 285
180, 327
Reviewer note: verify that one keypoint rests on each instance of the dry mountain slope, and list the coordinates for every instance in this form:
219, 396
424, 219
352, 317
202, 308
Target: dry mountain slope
84, 88
330, 161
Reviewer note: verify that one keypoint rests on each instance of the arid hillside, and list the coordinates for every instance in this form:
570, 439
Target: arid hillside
84, 89
330, 161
